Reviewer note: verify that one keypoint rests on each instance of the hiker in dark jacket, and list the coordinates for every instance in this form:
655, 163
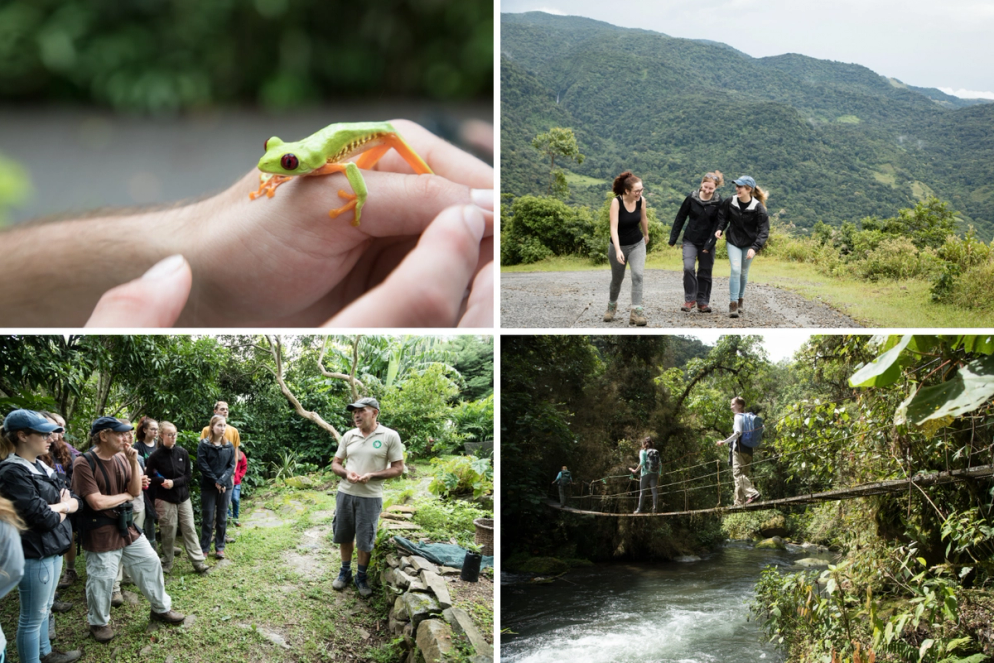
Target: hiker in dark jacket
701, 207
216, 460
744, 214
650, 467
42, 501
171, 472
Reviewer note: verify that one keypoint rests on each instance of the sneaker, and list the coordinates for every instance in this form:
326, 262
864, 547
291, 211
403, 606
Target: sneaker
636, 317
742, 310
612, 308
733, 309
102, 633
68, 578
637, 511
687, 307
117, 600
61, 606
219, 554
703, 308
363, 587
343, 579
753, 498
237, 524
61, 657
202, 569
229, 539
170, 617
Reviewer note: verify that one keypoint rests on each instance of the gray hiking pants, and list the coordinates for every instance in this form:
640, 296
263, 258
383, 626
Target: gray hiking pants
645, 483
634, 256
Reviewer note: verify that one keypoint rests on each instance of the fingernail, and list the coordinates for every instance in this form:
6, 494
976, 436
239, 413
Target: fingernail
483, 198
164, 268
474, 220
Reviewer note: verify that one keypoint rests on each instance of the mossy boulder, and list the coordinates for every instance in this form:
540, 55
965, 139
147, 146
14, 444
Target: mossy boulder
774, 543
300, 482
545, 566
774, 526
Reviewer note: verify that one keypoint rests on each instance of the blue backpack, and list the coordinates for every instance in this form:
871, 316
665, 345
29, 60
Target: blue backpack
752, 430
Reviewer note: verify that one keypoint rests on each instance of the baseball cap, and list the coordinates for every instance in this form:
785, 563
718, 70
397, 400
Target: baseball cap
745, 180
29, 420
109, 423
363, 402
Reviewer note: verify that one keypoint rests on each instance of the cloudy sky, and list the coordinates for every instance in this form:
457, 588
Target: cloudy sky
946, 44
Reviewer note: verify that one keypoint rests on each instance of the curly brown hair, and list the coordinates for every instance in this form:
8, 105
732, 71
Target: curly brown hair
624, 182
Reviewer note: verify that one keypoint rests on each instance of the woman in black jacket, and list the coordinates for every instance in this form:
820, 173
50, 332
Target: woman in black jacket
701, 208
216, 460
170, 470
748, 223
42, 501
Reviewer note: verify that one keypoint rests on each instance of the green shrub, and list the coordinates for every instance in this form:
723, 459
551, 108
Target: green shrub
898, 258
967, 251
974, 288
463, 475
475, 420
443, 520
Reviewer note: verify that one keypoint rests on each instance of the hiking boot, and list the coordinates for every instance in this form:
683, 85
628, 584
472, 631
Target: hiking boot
117, 600
342, 581
68, 578
363, 587
179, 551
741, 308
102, 633
687, 307
170, 617
612, 308
202, 569
229, 539
703, 308
61, 657
61, 606
237, 524
753, 498
636, 317
637, 511
219, 554
733, 309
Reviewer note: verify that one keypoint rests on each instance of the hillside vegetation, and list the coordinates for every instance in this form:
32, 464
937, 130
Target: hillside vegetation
833, 142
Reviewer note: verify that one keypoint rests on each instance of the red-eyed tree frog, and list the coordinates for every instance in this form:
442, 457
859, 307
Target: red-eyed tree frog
325, 152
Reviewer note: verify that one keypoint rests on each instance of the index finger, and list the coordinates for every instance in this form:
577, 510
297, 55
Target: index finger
444, 158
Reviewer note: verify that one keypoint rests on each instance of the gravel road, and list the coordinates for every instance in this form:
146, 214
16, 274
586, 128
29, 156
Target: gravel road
578, 299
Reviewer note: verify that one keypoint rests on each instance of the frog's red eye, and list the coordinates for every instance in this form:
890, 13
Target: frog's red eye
289, 162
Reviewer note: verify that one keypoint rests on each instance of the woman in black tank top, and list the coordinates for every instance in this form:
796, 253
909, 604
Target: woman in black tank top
629, 237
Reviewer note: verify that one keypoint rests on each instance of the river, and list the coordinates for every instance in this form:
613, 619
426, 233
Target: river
693, 612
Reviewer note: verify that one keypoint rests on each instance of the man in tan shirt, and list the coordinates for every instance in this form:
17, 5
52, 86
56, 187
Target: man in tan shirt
230, 432
371, 453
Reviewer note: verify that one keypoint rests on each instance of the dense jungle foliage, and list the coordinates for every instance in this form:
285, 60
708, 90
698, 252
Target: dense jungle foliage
833, 142
914, 582
437, 393
153, 56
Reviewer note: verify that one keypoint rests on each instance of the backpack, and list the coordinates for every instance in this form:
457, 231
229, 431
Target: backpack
752, 430
565, 478
652, 461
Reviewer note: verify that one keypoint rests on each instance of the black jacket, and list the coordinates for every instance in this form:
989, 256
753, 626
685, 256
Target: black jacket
217, 464
170, 463
31, 494
748, 228
703, 215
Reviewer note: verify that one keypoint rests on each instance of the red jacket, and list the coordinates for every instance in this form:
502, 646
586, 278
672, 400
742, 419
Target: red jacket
241, 468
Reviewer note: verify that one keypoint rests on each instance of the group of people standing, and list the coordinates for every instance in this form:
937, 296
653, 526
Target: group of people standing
109, 498
742, 219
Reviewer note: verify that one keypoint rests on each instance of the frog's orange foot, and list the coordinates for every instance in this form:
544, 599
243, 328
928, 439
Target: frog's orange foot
342, 193
344, 208
268, 186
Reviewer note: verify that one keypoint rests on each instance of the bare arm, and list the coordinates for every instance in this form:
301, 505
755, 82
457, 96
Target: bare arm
614, 231
645, 220
339, 469
395, 470
99, 501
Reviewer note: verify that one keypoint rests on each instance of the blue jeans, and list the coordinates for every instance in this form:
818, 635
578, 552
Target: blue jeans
236, 501
37, 593
740, 271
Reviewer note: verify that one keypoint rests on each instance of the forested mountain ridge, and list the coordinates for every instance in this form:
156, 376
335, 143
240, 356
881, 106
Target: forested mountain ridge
832, 141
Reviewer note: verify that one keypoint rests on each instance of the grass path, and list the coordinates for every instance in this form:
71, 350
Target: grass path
884, 304
271, 600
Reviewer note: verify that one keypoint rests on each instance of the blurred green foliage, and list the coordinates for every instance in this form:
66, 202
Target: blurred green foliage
167, 55
15, 186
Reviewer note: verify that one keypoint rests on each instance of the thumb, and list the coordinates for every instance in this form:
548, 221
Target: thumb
154, 300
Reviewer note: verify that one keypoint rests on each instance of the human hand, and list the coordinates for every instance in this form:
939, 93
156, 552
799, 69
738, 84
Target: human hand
130, 453
146, 481
750, 254
647, 240
619, 256
167, 483
219, 487
354, 478
156, 299
365, 477
717, 234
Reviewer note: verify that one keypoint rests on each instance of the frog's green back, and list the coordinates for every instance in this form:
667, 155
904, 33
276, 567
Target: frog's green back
334, 137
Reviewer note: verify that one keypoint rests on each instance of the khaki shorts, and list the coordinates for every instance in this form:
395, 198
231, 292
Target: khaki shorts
356, 519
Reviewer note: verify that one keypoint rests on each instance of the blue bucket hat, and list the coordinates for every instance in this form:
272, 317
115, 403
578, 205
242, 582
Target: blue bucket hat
109, 423
745, 180
29, 420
